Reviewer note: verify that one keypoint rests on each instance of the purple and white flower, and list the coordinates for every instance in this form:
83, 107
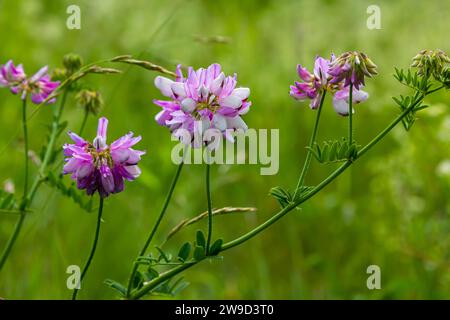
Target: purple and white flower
205, 99
314, 85
39, 86
100, 167
351, 68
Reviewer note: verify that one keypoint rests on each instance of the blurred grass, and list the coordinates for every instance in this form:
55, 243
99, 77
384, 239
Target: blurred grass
390, 209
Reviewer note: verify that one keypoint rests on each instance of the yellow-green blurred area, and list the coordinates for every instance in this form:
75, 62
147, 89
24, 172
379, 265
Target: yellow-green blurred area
390, 209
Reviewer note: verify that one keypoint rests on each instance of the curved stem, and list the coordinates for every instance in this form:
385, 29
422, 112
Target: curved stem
155, 227
311, 143
94, 246
83, 124
379, 136
208, 197
23, 204
350, 115
12, 240
25, 140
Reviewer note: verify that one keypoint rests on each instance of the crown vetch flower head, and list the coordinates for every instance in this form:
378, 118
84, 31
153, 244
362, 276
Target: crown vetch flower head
39, 86
100, 167
351, 67
314, 85
206, 97
430, 62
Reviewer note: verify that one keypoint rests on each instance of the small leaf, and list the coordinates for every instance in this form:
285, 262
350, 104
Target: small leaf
151, 274
215, 248
199, 253
283, 196
138, 280
201, 239
116, 286
183, 254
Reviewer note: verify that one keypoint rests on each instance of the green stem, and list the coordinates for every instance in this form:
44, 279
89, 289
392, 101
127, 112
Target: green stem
162, 277
311, 143
25, 140
389, 127
155, 227
208, 197
83, 124
23, 204
350, 115
94, 246
167, 275
12, 240
29, 194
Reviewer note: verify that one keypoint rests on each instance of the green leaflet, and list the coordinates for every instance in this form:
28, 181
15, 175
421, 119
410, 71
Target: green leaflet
405, 102
334, 151
412, 80
284, 197
7, 201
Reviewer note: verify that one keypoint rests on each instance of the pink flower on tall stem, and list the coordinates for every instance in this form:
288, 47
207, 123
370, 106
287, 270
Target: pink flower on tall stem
314, 85
39, 86
205, 99
100, 167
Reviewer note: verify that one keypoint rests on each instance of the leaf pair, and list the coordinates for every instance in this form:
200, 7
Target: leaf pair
200, 247
406, 103
285, 198
412, 80
334, 151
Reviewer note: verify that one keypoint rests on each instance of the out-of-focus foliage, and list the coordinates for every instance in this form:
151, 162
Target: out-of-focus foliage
391, 209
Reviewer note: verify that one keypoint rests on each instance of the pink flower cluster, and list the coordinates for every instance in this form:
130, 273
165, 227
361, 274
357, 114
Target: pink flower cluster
100, 167
205, 99
314, 85
39, 86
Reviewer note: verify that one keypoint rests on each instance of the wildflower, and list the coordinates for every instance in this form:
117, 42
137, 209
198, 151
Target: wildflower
100, 167
205, 99
341, 99
351, 67
430, 62
39, 86
315, 85
12, 76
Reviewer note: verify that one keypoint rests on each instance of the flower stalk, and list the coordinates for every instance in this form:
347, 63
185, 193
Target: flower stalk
94, 247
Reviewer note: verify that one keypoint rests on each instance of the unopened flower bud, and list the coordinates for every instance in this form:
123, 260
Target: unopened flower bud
90, 100
59, 74
352, 67
72, 62
430, 62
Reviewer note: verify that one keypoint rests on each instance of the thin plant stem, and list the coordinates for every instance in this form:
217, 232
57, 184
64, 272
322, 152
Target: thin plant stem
350, 115
208, 197
25, 141
155, 227
311, 143
29, 194
23, 204
94, 246
83, 124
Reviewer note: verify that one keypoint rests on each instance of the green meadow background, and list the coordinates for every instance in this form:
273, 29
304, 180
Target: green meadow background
391, 209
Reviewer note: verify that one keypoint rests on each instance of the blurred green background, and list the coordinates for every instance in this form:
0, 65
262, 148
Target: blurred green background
390, 209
